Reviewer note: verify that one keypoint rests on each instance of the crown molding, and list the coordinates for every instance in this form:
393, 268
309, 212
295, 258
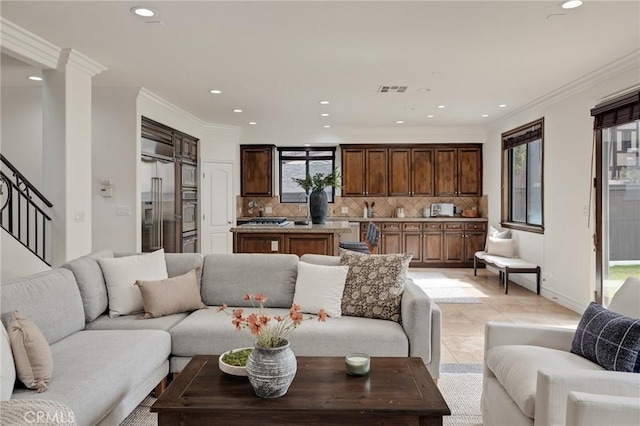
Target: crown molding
618, 66
151, 97
81, 62
28, 47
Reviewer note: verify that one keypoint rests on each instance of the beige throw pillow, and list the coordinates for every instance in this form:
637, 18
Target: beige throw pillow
374, 284
31, 353
500, 247
171, 296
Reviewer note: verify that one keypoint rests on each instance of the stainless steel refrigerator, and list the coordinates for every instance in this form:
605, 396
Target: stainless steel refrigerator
160, 226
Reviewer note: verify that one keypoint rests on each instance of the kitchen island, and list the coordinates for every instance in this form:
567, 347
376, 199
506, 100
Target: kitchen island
289, 238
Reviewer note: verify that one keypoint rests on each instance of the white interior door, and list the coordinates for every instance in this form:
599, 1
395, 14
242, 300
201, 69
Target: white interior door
217, 207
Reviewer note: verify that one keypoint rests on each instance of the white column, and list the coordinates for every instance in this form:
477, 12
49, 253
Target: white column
67, 153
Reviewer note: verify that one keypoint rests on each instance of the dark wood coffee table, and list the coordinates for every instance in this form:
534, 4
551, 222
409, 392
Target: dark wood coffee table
397, 391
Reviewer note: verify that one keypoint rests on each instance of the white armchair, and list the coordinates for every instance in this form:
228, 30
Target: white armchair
534, 379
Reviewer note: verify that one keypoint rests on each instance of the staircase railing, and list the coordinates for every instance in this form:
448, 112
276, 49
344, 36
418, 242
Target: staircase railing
22, 211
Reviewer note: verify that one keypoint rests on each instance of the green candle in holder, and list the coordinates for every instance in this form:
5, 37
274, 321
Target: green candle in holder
357, 364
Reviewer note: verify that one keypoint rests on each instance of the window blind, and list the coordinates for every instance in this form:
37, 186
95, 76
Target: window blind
615, 112
523, 134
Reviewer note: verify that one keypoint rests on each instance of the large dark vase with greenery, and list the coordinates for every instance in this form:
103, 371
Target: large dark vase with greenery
318, 203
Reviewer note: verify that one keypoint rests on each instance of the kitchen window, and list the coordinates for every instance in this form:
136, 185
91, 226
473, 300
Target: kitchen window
296, 163
522, 177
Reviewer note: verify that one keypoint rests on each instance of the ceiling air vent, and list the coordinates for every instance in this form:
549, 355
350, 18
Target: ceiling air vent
392, 89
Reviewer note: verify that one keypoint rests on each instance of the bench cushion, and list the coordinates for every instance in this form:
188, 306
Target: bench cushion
503, 262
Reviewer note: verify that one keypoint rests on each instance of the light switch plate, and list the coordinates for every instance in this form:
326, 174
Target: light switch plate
79, 216
268, 210
345, 210
274, 246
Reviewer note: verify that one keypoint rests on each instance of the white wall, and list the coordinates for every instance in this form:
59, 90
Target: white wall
115, 157
17, 261
21, 126
565, 250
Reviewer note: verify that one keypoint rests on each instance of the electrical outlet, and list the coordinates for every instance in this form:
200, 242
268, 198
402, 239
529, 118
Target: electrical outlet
79, 216
123, 211
268, 210
345, 210
274, 245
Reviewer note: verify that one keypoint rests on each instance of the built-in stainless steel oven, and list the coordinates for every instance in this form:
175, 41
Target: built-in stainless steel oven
190, 242
189, 175
189, 216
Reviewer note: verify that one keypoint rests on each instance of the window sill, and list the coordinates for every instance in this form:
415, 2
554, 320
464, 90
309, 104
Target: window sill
523, 227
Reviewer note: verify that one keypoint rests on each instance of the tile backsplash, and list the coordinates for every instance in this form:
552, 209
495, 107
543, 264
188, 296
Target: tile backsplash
384, 206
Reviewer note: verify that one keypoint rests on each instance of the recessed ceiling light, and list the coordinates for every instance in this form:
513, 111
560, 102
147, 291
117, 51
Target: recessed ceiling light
324, 115
307, 144
35, 78
441, 106
237, 110
324, 102
502, 106
485, 115
571, 4
143, 11
215, 91
424, 89
252, 123
399, 122
409, 109
326, 126
429, 116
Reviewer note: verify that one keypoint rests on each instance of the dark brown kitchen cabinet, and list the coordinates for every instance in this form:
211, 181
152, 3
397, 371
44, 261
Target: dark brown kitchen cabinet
256, 165
469, 172
410, 172
458, 171
446, 172
391, 238
462, 240
364, 172
422, 172
293, 243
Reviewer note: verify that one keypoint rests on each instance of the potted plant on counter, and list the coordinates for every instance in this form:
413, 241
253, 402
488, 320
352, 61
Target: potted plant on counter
315, 186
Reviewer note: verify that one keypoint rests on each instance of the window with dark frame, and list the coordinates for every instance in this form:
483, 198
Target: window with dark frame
522, 177
296, 163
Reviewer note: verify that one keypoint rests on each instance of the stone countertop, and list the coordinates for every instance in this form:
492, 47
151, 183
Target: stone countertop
291, 228
384, 219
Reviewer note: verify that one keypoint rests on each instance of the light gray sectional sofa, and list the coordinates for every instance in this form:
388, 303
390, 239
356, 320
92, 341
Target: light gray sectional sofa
104, 367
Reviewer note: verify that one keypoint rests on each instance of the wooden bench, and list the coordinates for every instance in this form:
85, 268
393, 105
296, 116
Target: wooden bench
506, 266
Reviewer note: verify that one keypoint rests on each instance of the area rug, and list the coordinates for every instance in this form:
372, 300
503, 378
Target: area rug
445, 290
460, 384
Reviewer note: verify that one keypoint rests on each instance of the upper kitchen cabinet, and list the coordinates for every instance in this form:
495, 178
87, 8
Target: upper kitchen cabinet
458, 171
364, 171
256, 170
410, 172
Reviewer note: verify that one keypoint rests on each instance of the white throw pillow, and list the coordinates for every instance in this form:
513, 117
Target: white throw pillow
121, 274
500, 247
8, 369
320, 287
493, 232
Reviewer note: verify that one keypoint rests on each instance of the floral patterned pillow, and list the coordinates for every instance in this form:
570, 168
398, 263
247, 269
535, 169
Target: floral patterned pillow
374, 284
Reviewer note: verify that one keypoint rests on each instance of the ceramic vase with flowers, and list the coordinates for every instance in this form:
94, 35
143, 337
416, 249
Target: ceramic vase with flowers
271, 366
315, 186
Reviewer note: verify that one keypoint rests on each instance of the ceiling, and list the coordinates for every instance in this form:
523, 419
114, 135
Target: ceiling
277, 60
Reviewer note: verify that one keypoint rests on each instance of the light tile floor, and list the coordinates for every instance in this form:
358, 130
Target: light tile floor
463, 324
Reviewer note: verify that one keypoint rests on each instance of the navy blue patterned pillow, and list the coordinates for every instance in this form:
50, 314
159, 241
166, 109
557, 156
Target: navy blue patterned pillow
609, 339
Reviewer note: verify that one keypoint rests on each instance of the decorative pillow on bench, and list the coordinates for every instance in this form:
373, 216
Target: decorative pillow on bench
609, 339
500, 247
